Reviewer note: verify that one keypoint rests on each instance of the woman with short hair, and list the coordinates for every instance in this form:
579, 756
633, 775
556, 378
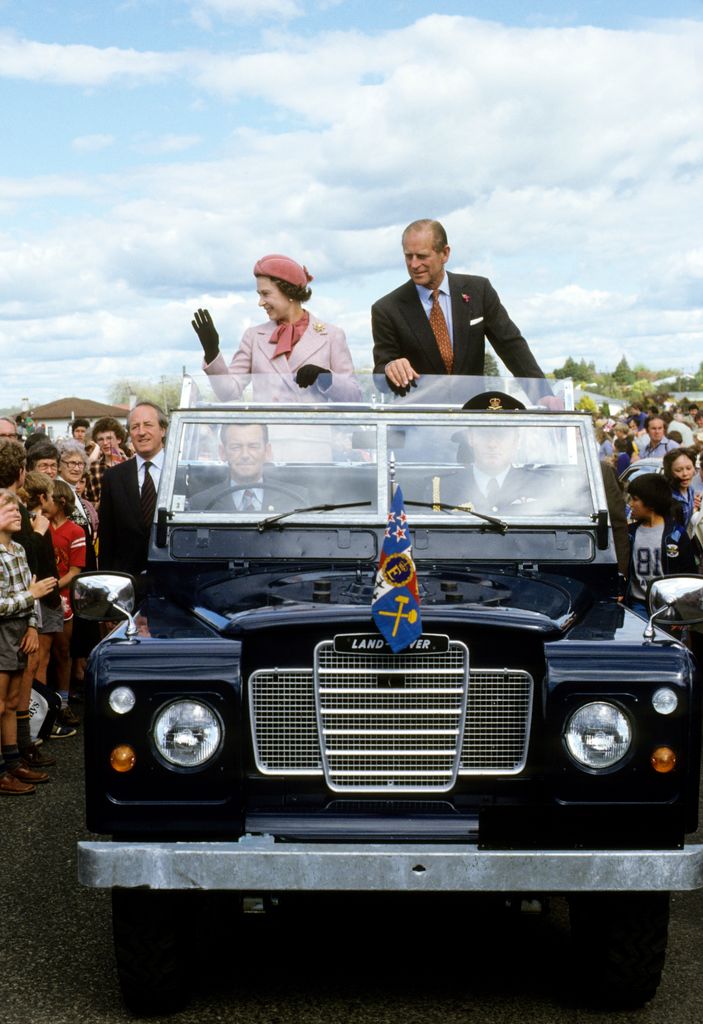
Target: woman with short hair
295, 348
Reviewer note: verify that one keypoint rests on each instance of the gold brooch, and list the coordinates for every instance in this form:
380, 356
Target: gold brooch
320, 328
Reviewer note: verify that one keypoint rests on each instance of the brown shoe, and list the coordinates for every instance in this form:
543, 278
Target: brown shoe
34, 757
25, 774
67, 716
10, 786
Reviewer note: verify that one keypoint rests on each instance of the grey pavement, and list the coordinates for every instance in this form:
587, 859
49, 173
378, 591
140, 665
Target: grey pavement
367, 961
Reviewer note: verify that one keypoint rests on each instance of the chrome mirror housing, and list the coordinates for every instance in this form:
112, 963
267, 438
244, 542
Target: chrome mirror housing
675, 601
102, 596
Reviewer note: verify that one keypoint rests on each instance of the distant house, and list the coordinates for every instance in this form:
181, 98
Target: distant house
55, 417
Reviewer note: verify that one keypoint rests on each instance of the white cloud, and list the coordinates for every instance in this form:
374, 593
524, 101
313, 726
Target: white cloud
93, 143
28, 60
565, 164
166, 143
204, 11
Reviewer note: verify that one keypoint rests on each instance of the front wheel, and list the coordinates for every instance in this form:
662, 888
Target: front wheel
150, 931
619, 946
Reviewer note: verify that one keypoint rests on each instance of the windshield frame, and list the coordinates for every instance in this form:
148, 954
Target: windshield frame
382, 418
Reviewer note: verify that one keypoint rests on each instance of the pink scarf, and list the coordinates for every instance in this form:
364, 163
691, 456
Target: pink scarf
287, 335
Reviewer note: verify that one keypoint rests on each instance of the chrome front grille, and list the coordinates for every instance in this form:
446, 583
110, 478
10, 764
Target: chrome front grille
365, 703
498, 722
401, 739
283, 722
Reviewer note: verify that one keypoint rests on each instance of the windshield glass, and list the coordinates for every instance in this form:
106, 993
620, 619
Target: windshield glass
495, 468
257, 467
362, 389
244, 466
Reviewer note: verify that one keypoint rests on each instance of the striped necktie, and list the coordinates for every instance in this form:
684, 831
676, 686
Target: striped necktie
148, 495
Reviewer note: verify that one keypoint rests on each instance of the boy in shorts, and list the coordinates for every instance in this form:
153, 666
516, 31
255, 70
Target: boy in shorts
18, 638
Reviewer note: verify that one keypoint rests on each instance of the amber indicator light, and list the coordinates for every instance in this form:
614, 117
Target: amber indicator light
663, 760
122, 758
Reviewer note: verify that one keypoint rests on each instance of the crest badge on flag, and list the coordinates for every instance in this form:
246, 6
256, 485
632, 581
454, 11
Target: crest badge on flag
396, 601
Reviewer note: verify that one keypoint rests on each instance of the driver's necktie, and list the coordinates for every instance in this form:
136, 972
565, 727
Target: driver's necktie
492, 492
249, 502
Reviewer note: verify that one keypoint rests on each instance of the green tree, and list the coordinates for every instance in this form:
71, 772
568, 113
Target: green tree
622, 373
490, 365
586, 404
164, 392
581, 371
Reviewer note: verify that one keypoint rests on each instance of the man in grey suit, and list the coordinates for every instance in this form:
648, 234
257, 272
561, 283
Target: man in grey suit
437, 322
245, 448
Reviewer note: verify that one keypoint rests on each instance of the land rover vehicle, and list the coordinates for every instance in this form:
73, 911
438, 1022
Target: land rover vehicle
248, 728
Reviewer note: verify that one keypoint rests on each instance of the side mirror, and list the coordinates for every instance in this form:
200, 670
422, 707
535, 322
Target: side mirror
102, 596
676, 601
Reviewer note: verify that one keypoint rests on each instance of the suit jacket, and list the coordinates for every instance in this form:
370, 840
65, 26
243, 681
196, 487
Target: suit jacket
519, 494
322, 344
123, 534
220, 498
401, 328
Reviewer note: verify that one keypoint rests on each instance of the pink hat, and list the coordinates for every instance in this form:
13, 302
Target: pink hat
283, 268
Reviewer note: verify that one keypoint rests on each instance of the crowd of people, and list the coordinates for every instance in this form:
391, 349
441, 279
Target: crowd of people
664, 499
85, 501
89, 500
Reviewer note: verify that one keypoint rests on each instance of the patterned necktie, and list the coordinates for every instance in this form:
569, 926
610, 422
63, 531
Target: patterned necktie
441, 332
148, 495
249, 502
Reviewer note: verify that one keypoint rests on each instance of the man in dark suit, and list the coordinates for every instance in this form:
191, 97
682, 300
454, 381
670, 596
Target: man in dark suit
245, 448
128, 496
491, 483
437, 322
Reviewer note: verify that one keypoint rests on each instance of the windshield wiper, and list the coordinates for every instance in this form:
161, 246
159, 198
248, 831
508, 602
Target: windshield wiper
270, 521
498, 524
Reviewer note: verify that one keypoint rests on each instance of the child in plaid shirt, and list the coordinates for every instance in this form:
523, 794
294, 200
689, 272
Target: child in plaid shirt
18, 638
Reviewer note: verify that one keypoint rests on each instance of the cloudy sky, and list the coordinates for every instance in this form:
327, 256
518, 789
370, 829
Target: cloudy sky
153, 149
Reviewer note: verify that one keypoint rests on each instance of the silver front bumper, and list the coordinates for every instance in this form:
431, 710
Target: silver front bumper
259, 864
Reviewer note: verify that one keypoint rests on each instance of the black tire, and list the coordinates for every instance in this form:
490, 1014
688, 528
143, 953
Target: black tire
150, 930
619, 947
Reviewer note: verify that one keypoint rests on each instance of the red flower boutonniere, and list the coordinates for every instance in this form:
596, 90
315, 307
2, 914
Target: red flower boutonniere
465, 297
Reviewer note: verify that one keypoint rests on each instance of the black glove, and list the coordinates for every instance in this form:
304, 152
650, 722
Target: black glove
309, 373
209, 338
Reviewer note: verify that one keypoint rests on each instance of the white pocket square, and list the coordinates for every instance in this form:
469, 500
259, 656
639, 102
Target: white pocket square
476, 321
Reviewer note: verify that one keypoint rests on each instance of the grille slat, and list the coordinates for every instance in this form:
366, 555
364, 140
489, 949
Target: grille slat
413, 687
371, 734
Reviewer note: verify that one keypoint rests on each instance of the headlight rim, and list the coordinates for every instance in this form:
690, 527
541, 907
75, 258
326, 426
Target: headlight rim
615, 766
173, 766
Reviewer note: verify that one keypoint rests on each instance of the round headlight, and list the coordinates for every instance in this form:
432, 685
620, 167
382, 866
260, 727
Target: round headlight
187, 733
121, 700
598, 735
665, 700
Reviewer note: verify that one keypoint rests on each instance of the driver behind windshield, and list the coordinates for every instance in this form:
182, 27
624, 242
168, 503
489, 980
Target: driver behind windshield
490, 481
246, 449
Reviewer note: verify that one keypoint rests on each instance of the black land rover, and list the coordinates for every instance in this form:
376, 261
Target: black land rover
249, 729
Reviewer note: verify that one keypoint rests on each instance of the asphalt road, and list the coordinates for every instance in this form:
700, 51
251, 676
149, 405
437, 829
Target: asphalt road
363, 962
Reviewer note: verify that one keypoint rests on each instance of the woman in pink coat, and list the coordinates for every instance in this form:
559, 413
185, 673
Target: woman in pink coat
294, 349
